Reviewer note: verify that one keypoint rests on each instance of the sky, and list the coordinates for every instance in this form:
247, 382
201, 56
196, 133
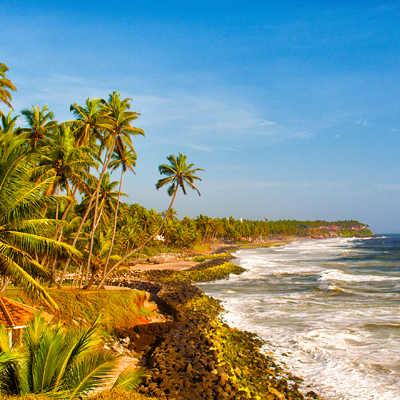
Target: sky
291, 108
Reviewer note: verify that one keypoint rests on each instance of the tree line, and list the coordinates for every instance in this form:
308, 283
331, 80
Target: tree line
62, 212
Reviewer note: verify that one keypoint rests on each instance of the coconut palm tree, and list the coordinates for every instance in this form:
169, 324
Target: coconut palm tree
24, 233
179, 174
69, 163
5, 86
61, 159
41, 125
90, 121
118, 134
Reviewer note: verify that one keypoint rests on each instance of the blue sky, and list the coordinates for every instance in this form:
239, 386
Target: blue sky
292, 108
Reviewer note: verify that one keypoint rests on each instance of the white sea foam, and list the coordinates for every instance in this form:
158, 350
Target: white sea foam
345, 339
336, 275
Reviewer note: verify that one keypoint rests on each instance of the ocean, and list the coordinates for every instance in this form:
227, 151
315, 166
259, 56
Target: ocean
328, 309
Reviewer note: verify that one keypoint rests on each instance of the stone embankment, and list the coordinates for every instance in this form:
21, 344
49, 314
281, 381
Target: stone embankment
184, 355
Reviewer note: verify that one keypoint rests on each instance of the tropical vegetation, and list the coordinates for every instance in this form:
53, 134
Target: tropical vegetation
60, 363
61, 209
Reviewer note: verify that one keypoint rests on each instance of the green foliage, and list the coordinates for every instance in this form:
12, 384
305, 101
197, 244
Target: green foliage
221, 271
206, 304
148, 251
130, 379
57, 362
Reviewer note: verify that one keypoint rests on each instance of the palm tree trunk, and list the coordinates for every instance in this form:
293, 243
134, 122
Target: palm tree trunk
53, 273
142, 245
114, 230
64, 216
82, 223
96, 207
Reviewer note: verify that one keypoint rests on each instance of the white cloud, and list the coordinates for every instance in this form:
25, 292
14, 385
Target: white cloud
200, 148
302, 135
268, 123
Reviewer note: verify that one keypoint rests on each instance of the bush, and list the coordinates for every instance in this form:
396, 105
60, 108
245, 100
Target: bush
148, 251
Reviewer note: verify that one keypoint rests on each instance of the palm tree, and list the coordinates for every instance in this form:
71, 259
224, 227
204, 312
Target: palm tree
179, 174
117, 135
5, 86
90, 121
59, 363
41, 125
24, 233
69, 163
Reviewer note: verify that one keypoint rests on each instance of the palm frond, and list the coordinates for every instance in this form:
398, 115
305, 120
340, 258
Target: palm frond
130, 378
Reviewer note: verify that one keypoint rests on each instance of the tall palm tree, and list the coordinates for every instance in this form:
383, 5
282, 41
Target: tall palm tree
69, 164
179, 174
117, 135
89, 126
5, 86
24, 233
41, 125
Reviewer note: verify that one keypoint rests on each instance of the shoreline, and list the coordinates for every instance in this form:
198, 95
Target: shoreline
175, 369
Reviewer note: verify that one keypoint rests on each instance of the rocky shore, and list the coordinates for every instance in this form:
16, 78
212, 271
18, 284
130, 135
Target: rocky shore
195, 355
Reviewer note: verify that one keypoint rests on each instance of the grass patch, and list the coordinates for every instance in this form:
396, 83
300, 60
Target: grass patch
211, 257
201, 248
118, 307
217, 272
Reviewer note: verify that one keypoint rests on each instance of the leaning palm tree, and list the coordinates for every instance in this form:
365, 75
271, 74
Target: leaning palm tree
179, 174
24, 233
5, 86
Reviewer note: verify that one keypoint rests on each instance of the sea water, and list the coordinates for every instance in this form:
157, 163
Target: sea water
329, 310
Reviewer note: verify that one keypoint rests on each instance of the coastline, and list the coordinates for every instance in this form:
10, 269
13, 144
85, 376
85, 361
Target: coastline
187, 358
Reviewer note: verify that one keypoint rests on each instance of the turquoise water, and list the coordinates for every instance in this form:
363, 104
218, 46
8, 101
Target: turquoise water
329, 309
